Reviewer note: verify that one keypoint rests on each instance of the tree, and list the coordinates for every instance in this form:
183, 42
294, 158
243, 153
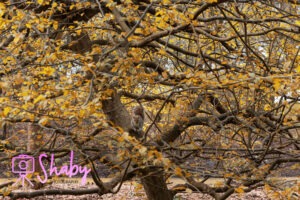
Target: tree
218, 79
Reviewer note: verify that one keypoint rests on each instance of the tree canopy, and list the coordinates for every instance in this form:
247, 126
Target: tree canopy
218, 80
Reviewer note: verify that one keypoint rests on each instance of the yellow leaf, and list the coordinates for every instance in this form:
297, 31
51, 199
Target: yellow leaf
2, 6
178, 171
224, 62
39, 98
6, 111
96, 49
17, 37
28, 25
239, 190
44, 121
211, 1
162, 52
139, 30
267, 188
298, 69
54, 5
40, 2
166, 2
72, 6
267, 107
55, 25
48, 70
78, 32
2, 9
5, 191
165, 74
276, 84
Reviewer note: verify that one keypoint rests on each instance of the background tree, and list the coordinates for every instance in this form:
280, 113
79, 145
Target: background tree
219, 81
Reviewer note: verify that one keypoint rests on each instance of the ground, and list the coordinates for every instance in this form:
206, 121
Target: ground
134, 191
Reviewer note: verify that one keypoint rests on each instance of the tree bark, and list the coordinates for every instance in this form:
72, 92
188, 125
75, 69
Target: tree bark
35, 140
153, 181
155, 186
116, 112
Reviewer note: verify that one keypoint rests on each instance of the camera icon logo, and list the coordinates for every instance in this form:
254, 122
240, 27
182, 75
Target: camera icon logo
23, 164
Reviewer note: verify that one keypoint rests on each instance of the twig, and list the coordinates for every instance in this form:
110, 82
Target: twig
100, 8
136, 25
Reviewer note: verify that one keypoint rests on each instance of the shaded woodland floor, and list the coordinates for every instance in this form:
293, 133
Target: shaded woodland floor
134, 191
130, 191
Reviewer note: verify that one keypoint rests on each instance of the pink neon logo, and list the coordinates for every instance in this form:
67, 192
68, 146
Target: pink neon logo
24, 164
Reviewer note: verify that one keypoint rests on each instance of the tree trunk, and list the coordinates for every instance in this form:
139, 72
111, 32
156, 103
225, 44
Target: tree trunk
155, 186
35, 140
